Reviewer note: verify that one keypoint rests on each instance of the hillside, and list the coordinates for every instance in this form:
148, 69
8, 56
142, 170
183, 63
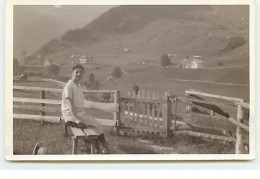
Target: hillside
184, 30
126, 36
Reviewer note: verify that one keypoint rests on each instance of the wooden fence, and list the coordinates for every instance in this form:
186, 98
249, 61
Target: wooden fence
214, 113
41, 101
197, 114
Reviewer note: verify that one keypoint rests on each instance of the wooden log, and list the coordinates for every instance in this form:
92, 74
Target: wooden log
212, 113
192, 100
208, 136
215, 96
137, 113
244, 105
144, 100
42, 96
167, 117
239, 137
187, 112
122, 113
37, 108
29, 88
35, 100
238, 124
148, 113
74, 145
175, 116
55, 119
116, 114
92, 146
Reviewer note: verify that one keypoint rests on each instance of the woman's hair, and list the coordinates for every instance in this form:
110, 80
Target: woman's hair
77, 66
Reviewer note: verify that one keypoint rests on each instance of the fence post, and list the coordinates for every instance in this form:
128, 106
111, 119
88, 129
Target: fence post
239, 135
212, 113
175, 116
42, 96
187, 109
116, 114
167, 117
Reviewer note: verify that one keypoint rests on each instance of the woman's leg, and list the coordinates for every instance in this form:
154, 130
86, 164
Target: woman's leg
102, 140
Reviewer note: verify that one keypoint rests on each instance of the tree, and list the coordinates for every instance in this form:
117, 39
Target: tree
92, 83
165, 61
116, 73
135, 88
53, 69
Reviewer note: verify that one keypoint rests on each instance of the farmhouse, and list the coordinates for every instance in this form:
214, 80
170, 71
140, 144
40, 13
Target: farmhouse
194, 62
82, 59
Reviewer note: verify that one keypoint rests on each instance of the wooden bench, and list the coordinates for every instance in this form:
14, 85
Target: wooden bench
86, 134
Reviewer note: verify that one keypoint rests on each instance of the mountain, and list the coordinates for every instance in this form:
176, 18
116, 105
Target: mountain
150, 31
35, 25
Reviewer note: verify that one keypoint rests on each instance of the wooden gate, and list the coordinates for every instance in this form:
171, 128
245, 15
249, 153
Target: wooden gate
145, 117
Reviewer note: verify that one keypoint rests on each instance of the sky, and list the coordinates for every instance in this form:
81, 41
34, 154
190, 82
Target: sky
36, 25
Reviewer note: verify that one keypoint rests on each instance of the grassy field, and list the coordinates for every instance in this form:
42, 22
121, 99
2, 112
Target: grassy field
28, 133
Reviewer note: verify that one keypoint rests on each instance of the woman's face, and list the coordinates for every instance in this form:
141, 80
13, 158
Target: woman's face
77, 74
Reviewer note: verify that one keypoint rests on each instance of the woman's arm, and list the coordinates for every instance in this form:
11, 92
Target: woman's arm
72, 110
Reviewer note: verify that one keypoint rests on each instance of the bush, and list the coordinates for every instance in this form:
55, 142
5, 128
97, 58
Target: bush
165, 61
53, 69
92, 83
116, 73
234, 42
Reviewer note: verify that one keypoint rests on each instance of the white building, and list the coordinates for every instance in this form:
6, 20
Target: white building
82, 59
194, 62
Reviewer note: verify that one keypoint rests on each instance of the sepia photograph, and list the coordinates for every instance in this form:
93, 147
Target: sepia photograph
130, 81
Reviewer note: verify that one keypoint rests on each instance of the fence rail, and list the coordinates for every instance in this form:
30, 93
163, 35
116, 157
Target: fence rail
25, 103
235, 125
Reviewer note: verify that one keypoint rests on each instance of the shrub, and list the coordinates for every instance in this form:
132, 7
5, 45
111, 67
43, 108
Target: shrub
165, 61
92, 83
234, 42
53, 69
116, 73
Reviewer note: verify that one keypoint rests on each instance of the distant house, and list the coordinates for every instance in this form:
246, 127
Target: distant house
82, 59
194, 62
110, 78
